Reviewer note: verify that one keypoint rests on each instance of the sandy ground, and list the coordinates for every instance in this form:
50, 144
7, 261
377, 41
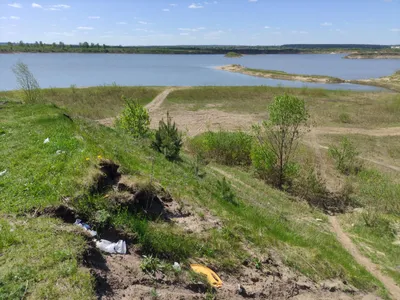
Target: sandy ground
242, 70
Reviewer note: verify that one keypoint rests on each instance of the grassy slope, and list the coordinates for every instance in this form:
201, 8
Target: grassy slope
37, 177
376, 229
93, 102
327, 108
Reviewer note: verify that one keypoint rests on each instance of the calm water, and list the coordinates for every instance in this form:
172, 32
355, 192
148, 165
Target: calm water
63, 70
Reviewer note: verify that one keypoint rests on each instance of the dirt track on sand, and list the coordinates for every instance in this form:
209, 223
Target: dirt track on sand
346, 242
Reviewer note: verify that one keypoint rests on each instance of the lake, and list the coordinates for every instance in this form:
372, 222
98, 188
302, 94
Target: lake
65, 69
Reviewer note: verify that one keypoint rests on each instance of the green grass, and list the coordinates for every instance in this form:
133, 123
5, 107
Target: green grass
93, 102
380, 109
265, 219
41, 259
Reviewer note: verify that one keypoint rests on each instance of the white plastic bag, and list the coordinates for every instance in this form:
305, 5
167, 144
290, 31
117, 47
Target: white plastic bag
109, 247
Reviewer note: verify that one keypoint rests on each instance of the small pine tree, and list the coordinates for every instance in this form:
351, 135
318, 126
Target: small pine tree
134, 118
226, 192
168, 140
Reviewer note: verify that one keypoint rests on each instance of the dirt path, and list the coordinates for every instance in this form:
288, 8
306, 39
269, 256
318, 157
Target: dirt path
159, 99
389, 131
152, 106
346, 242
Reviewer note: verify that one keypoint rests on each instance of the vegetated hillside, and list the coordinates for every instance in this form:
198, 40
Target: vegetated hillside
265, 240
86, 47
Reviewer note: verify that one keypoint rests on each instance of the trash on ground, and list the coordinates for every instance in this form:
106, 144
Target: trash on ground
3, 172
58, 152
176, 266
46, 141
212, 277
110, 247
85, 226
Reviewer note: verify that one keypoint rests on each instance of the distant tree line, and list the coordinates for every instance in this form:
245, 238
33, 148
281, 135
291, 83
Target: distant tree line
85, 47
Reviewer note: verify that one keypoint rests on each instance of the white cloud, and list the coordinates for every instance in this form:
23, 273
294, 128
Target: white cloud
253, 0
184, 33
173, 4
213, 35
299, 32
267, 27
194, 5
59, 33
143, 22
3, 18
166, 9
326, 24
57, 7
121, 23
192, 29
35, 5
15, 5
108, 32
94, 17
60, 6
14, 18
84, 28
395, 29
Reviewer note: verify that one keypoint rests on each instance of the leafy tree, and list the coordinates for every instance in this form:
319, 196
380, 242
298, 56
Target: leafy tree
134, 118
27, 82
168, 140
277, 138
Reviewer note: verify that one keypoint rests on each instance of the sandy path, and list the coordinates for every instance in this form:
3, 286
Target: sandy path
152, 106
346, 242
389, 131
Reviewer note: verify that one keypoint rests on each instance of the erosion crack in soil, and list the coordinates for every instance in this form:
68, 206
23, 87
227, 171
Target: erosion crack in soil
346, 242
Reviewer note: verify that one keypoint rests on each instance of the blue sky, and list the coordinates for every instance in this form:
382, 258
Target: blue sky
163, 22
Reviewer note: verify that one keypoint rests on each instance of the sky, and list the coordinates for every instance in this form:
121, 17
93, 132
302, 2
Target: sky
184, 22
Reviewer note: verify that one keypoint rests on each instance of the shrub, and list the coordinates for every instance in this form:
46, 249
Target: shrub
134, 118
27, 83
226, 192
228, 148
344, 118
277, 139
168, 140
345, 157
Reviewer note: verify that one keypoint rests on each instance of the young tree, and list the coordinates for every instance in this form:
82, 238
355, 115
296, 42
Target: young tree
345, 157
168, 140
27, 82
134, 118
277, 138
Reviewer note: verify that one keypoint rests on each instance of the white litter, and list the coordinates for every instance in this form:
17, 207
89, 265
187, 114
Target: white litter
3, 172
46, 141
176, 266
58, 152
85, 226
110, 247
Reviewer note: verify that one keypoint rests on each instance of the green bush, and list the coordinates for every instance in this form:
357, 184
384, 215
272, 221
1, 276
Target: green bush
168, 140
27, 83
226, 192
134, 118
345, 157
223, 147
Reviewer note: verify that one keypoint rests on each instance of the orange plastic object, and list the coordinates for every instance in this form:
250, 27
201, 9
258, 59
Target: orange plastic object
212, 278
